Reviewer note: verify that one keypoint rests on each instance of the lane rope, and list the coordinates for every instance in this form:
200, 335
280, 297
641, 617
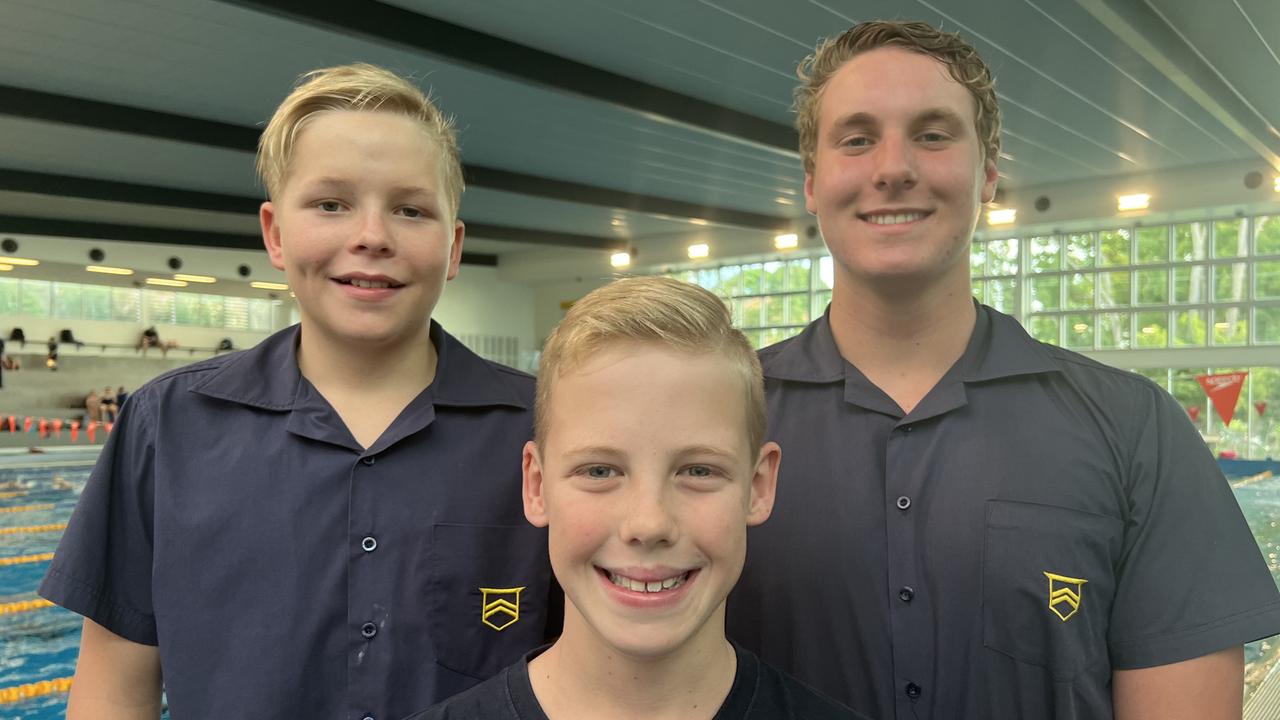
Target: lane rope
28, 691
24, 606
52, 527
26, 508
24, 559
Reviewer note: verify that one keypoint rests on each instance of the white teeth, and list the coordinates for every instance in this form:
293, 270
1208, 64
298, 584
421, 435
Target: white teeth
647, 587
894, 219
369, 283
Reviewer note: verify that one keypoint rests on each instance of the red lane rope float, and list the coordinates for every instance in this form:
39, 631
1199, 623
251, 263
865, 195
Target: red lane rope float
26, 508
17, 693
24, 559
52, 527
24, 606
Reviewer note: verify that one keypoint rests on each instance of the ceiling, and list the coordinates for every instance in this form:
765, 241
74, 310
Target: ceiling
585, 125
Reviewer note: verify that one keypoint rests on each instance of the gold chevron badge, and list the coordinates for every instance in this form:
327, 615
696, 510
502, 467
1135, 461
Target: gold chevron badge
1065, 595
505, 607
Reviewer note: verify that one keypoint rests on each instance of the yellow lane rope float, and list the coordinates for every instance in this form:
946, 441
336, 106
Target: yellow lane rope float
12, 494
53, 527
26, 508
34, 690
24, 606
24, 559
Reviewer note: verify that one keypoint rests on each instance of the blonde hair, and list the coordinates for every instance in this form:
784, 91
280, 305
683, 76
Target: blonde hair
678, 315
360, 86
962, 61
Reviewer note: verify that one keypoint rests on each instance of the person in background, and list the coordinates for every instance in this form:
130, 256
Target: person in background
92, 407
110, 405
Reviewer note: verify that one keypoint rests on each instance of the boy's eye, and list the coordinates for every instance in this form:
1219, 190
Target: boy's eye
599, 472
411, 212
699, 471
330, 206
933, 137
859, 141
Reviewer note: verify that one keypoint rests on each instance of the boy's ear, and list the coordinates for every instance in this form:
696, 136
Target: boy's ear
535, 507
271, 234
764, 484
455, 252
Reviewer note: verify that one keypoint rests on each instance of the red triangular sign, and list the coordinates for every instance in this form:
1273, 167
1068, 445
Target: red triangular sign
1261, 407
1223, 390
1194, 412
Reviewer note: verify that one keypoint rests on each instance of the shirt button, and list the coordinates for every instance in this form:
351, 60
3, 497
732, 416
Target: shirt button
904, 502
912, 690
907, 428
906, 593
367, 717
368, 630
369, 460
369, 544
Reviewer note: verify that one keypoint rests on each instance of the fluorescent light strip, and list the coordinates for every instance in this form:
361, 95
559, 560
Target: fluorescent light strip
165, 282
195, 278
268, 285
699, 250
24, 262
1003, 216
108, 270
1139, 201
786, 241
620, 259
5, 268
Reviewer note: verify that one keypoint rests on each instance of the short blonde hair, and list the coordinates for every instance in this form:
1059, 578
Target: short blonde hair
962, 60
360, 86
678, 315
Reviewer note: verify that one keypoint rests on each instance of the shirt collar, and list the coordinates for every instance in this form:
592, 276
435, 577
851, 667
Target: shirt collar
267, 376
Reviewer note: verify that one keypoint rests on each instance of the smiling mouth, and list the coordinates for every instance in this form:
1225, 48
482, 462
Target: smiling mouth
368, 284
894, 218
653, 586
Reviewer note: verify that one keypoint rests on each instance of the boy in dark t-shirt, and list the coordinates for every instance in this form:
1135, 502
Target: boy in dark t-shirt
647, 467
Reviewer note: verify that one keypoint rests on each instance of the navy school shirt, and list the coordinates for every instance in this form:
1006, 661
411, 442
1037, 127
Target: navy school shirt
283, 570
1036, 522
759, 692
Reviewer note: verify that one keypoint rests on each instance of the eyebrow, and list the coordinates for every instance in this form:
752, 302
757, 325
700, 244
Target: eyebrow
587, 451
863, 119
334, 183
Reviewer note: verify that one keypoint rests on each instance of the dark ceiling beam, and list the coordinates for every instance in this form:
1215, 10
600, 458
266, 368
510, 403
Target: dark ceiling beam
407, 30
47, 107
88, 230
113, 191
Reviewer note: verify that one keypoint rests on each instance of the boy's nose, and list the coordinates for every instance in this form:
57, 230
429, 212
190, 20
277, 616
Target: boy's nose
649, 520
374, 236
895, 167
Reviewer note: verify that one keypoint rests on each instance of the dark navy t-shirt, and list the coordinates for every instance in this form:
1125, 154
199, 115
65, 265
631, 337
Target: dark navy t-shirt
759, 692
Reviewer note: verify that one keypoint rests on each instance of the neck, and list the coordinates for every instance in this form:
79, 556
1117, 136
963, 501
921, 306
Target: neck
902, 336
582, 676
341, 367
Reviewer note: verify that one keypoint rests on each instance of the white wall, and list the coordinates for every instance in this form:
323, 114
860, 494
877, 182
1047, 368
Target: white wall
478, 302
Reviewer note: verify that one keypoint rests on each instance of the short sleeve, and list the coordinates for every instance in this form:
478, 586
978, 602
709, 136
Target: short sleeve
1191, 580
102, 567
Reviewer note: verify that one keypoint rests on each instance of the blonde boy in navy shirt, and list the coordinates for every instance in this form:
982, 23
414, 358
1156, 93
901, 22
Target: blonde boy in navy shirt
309, 528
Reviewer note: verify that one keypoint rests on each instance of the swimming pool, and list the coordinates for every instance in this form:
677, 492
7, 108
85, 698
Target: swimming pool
39, 642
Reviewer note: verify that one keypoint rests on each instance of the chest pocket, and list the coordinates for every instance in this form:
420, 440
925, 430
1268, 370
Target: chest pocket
488, 595
1047, 584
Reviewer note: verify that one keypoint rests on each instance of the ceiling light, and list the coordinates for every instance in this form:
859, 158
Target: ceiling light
1221, 326
268, 285
25, 262
784, 201
1278, 183
699, 250
1080, 327
1150, 330
786, 241
1002, 217
698, 221
617, 221
165, 282
5, 268
108, 270
1139, 201
195, 278
620, 259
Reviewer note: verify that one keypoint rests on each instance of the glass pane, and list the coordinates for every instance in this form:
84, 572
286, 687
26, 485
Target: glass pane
735, 311
1230, 326
1189, 328
1113, 289
126, 305
826, 273
775, 310
1003, 295
752, 279
1230, 282
1266, 280
689, 276
260, 315
773, 335
1046, 292
731, 280
756, 338
798, 273
820, 301
237, 310
798, 309
1080, 291
1113, 331
212, 312
1153, 329
35, 297
979, 288
1046, 254
1045, 329
1153, 245
1267, 325
1190, 242
97, 302
1230, 238
66, 301
1002, 257
186, 309
1266, 235
1153, 287
751, 317
1190, 284
1079, 250
1113, 247
10, 293
1187, 391
977, 259
709, 279
775, 277
1079, 332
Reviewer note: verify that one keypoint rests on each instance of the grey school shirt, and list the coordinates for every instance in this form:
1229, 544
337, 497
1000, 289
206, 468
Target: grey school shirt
1037, 521
286, 572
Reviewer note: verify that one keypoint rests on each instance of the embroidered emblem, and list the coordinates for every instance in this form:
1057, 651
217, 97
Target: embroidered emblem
504, 607
1065, 595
